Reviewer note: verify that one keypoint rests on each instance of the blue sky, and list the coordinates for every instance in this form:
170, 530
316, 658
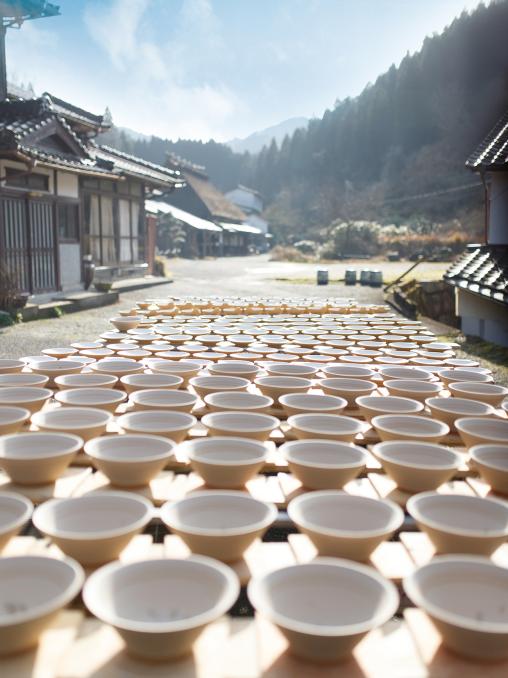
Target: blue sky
218, 68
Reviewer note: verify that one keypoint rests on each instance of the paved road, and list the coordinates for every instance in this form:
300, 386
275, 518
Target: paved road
228, 276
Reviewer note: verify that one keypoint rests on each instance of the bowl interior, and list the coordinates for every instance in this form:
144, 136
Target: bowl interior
38, 445
129, 448
324, 453
238, 401
389, 404
13, 508
461, 514
417, 455
71, 417
312, 402
325, 423
90, 396
493, 456
227, 451
407, 424
491, 429
240, 421
157, 421
460, 406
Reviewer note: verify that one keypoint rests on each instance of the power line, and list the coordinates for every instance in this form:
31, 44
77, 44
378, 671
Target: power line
433, 193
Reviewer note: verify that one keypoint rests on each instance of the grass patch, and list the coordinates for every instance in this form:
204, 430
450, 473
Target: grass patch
492, 356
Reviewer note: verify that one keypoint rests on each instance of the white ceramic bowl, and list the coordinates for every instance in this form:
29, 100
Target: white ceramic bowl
458, 523
214, 383
30, 398
55, 368
406, 373
118, 367
243, 424
86, 380
94, 528
171, 424
15, 511
222, 401
23, 379
324, 608
491, 461
130, 460
159, 607
291, 370
349, 371
9, 366
409, 427
347, 388
87, 422
492, 394
329, 426
235, 368
183, 368
451, 376
466, 598
33, 589
124, 323
373, 406
415, 390
345, 525
276, 386
301, 403
37, 458
103, 398
163, 399
225, 462
218, 523
12, 419
482, 430
448, 410
142, 382
417, 466
323, 464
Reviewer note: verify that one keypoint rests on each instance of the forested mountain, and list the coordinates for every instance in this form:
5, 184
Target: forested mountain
255, 141
373, 156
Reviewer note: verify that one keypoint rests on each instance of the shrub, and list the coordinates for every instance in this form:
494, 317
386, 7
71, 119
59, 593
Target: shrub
5, 319
288, 253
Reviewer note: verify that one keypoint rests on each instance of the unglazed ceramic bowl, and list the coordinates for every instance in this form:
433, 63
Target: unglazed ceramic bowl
62, 352
24, 379
451, 376
347, 388
163, 399
240, 424
345, 525
55, 368
482, 430
409, 427
225, 462
141, 382
218, 523
277, 386
118, 367
159, 607
405, 373
33, 589
235, 368
448, 410
130, 460
103, 398
301, 403
222, 401
329, 426
8, 366
15, 512
349, 372
124, 323
170, 424
12, 419
37, 458
467, 599
87, 422
461, 523
324, 464
94, 528
86, 380
291, 370
415, 390
324, 608
214, 383
491, 461
29, 398
492, 394
373, 406
183, 368
416, 466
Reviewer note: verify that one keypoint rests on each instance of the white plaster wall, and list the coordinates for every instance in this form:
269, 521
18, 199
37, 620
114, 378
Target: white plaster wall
481, 317
498, 223
70, 265
23, 168
67, 185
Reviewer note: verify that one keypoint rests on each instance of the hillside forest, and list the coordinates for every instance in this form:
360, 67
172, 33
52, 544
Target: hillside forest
386, 166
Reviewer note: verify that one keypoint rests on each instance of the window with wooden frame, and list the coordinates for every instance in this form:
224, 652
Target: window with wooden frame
18, 178
68, 221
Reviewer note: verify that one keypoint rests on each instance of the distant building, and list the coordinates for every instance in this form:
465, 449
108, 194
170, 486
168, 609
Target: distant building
480, 276
63, 196
250, 202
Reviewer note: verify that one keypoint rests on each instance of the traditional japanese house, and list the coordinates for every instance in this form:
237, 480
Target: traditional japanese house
64, 197
480, 276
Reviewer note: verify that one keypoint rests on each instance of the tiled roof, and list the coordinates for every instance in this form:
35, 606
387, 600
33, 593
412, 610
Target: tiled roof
492, 153
76, 114
177, 162
217, 204
138, 167
483, 270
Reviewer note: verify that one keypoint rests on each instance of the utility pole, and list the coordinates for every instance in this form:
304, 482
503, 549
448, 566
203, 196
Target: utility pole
13, 13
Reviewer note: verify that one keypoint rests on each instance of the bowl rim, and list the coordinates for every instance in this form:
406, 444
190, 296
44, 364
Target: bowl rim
430, 402
475, 454
109, 395
445, 429
226, 601
340, 404
378, 451
466, 386
384, 369
20, 520
165, 426
20, 414
263, 523
396, 519
110, 378
353, 388
268, 402
57, 602
239, 383
106, 417
448, 375
193, 454
128, 378
359, 426
97, 534
461, 426
50, 366
15, 362
245, 367
413, 386
92, 448
137, 396
42, 394
384, 614
270, 380
76, 440
360, 401
286, 449
414, 592
271, 422
415, 512
5, 376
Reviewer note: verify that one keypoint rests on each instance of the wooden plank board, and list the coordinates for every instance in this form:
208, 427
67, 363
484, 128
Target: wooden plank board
388, 489
390, 558
291, 487
64, 487
421, 550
